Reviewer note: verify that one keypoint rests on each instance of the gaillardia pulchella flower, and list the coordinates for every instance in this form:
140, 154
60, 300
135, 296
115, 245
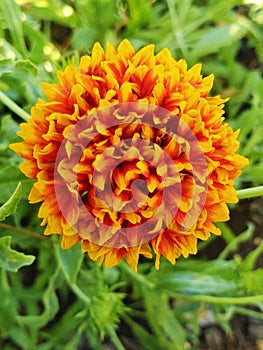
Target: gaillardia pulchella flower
131, 156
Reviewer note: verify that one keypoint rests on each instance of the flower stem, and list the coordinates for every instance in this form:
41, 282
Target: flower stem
13, 106
114, 338
253, 299
250, 192
25, 232
78, 292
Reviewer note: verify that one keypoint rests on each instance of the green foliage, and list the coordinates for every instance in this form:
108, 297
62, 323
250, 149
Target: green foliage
63, 300
10, 259
12, 16
70, 262
10, 206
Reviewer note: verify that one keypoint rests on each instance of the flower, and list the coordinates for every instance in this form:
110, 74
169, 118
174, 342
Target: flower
71, 143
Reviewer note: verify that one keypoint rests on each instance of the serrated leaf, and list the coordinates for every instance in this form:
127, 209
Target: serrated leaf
10, 259
10, 205
70, 261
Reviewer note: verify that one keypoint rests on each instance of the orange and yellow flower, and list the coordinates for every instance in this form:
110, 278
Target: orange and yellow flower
142, 78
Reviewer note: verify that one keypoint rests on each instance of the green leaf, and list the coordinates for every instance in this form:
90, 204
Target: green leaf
146, 339
67, 331
20, 337
70, 261
216, 38
226, 269
192, 283
8, 129
6, 65
10, 259
250, 260
11, 205
168, 323
26, 66
251, 282
9, 177
140, 14
37, 42
170, 333
13, 19
50, 303
234, 244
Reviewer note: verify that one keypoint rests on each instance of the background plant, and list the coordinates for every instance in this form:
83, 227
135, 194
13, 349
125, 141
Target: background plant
53, 298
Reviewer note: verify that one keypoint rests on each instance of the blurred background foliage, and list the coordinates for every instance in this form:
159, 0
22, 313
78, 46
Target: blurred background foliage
61, 299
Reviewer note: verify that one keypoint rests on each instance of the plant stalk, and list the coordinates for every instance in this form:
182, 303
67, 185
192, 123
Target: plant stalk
26, 232
14, 107
250, 192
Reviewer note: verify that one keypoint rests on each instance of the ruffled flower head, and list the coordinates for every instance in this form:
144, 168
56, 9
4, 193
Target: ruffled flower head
130, 156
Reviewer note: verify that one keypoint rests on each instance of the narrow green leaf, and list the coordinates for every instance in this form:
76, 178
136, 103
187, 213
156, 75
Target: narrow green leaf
216, 38
146, 339
8, 52
234, 244
26, 66
10, 175
50, 303
20, 337
8, 129
10, 205
13, 19
170, 334
10, 259
251, 282
6, 66
250, 260
37, 41
166, 321
70, 261
67, 332
195, 283
227, 233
